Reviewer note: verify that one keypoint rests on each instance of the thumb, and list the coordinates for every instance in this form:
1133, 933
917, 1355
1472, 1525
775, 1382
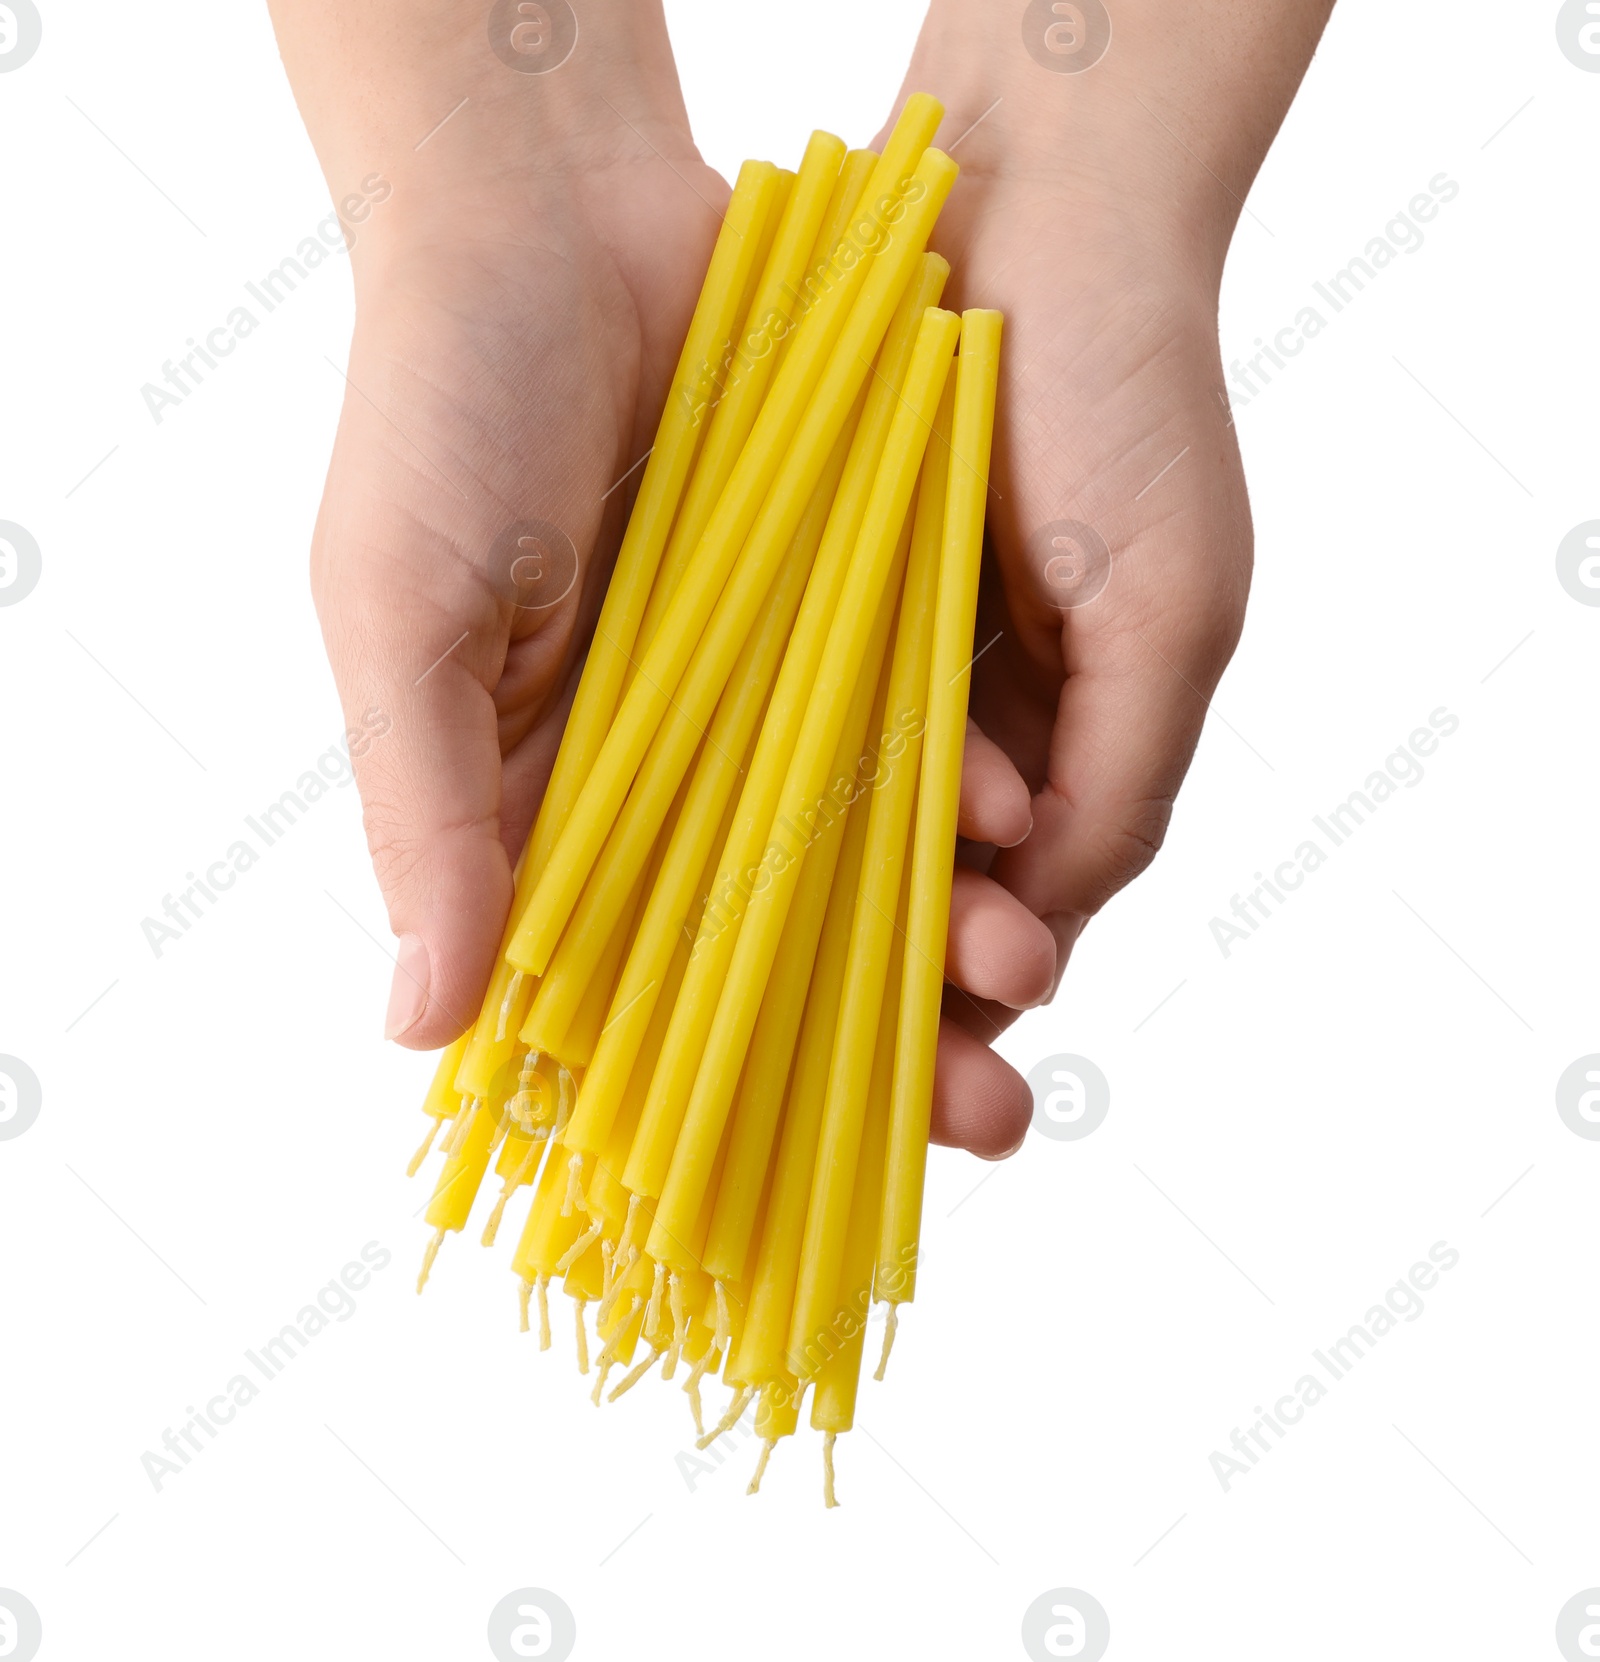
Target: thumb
419, 641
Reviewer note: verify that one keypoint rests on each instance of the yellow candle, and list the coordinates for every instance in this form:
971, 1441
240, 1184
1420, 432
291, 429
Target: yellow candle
602, 935
718, 932
620, 1324
928, 917
893, 797
762, 1086
608, 1077
764, 1340
777, 1415
547, 1235
811, 398
808, 791
716, 316
458, 1183
849, 191
832, 1353
443, 1101
714, 781
749, 365
578, 1042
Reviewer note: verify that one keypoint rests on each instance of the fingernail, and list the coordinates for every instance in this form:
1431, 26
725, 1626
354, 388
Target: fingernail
408, 994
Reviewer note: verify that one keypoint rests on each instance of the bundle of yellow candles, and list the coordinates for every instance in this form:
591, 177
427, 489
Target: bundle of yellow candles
707, 1047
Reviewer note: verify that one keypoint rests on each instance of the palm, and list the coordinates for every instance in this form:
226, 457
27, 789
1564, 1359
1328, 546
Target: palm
513, 376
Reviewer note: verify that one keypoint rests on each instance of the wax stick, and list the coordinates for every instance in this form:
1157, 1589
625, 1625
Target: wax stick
714, 781
443, 1101
933, 852
716, 316
761, 1353
811, 398
718, 932
458, 1183
832, 1351
749, 364
805, 791
873, 937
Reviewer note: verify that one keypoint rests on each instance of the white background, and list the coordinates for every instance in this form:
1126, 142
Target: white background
1289, 1131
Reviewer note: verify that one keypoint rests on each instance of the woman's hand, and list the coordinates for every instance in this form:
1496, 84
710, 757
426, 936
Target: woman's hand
1120, 542
521, 303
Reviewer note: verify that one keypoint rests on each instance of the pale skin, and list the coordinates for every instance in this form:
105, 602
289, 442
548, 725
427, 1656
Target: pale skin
521, 298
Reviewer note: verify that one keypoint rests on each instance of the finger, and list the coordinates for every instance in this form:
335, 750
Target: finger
431, 797
1128, 717
997, 949
994, 798
980, 1103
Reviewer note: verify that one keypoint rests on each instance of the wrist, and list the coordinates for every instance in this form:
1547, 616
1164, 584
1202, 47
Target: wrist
1146, 122
456, 116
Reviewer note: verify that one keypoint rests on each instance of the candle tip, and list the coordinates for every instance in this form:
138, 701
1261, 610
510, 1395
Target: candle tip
578, 1247
543, 1285
634, 1375
741, 1400
583, 1336
768, 1444
428, 1258
524, 1293
573, 1201
891, 1326
426, 1149
600, 1381
652, 1318
507, 1004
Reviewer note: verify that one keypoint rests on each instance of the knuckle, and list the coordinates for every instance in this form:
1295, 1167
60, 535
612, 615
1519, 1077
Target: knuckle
1126, 845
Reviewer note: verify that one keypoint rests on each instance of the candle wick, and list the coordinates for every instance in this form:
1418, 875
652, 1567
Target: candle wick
568, 1090
768, 1444
524, 1293
608, 1355
829, 1498
544, 1312
652, 1318
621, 1280
513, 1182
428, 1258
890, 1328
573, 1199
506, 1006
579, 1247
691, 1388
635, 1375
583, 1336
462, 1121
426, 1149
741, 1400
680, 1324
